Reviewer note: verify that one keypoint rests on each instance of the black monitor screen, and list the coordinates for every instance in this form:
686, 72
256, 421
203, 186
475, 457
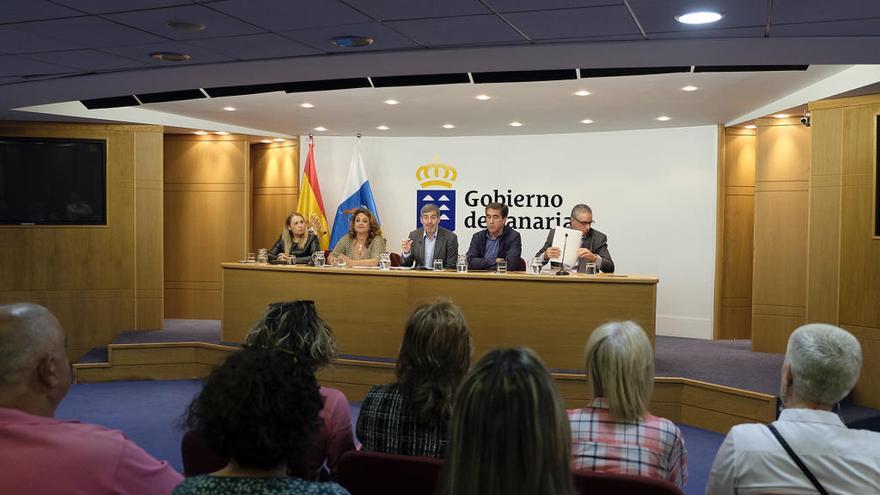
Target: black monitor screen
48, 181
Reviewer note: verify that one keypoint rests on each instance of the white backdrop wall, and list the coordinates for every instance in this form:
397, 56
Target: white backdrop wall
653, 192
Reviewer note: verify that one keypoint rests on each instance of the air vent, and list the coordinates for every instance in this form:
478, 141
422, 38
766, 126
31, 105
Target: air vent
749, 68
243, 90
420, 80
186, 94
326, 85
523, 76
632, 71
113, 102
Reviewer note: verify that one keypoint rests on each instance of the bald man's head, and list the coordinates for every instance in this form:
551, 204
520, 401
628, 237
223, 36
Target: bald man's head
33, 361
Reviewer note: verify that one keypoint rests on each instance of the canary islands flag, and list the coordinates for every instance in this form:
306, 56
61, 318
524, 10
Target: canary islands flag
310, 202
356, 193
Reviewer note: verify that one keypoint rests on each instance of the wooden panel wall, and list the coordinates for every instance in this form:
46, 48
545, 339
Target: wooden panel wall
275, 174
844, 256
736, 207
207, 219
779, 284
98, 280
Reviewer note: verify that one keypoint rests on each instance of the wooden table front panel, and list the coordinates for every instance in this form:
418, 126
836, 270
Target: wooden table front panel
367, 310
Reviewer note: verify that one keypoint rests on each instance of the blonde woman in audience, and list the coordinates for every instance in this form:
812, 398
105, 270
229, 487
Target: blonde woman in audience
411, 416
364, 242
615, 433
509, 434
296, 244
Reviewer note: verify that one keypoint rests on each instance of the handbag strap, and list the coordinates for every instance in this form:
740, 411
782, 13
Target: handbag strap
797, 460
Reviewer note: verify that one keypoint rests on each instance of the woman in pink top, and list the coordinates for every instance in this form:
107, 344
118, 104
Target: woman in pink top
615, 433
296, 328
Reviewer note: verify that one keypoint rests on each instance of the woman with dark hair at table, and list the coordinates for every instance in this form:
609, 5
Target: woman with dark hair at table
296, 328
259, 409
363, 244
296, 244
411, 415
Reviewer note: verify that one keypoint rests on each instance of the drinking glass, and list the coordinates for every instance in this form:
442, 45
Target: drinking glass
385, 261
340, 262
501, 266
591, 269
461, 264
291, 260
318, 259
537, 264
251, 258
438, 265
263, 257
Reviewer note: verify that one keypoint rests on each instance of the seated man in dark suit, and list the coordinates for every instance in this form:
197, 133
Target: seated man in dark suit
498, 241
430, 242
594, 244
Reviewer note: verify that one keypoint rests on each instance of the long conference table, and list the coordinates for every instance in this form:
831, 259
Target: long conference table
367, 309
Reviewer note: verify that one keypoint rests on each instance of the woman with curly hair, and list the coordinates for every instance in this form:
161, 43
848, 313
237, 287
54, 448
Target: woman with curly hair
410, 416
260, 409
297, 328
364, 242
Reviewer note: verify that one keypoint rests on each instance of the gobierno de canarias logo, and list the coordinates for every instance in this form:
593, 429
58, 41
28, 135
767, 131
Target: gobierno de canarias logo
436, 180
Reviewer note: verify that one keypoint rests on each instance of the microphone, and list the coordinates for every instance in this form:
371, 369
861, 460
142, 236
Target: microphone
562, 257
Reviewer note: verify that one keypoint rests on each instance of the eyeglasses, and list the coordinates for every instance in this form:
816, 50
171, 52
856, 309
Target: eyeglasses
575, 220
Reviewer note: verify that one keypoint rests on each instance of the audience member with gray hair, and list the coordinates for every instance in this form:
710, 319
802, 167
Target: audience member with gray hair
44, 455
822, 364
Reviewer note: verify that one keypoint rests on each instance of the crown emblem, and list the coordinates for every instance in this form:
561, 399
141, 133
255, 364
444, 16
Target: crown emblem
436, 174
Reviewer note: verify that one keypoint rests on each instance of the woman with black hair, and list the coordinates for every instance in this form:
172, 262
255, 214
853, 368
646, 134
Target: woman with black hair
259, 408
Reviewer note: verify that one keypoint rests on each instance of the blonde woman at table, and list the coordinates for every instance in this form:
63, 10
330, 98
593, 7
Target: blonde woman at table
295, 244
364, 242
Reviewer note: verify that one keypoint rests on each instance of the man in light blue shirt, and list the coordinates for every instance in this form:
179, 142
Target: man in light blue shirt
429, 243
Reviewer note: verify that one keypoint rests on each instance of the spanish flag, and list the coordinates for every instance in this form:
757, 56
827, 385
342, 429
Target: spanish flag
310, 202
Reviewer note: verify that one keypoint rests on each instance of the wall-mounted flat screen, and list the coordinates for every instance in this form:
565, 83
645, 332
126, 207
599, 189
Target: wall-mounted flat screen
49, 181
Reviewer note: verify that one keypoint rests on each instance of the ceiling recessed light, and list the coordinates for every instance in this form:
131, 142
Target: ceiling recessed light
582, 92
307, 105
279, 140
221, 133
171, 56
201, 133
483, 97
704, 17
751, 126
781, 116
448, 126
320, 128
267, 141
383, 127
587, 121
351, 41
663, 118
515, 124
229, 109
391, 102
689, 88
189, 27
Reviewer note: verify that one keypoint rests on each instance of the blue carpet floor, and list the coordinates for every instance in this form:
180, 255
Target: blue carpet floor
149, 414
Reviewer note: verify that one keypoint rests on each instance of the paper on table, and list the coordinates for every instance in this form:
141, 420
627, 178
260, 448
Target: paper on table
569, 256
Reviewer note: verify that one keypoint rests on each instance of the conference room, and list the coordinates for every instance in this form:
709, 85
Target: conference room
170, 169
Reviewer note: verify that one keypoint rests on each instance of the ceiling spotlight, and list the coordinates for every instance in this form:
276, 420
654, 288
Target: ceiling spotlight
267, 141
229, 109
279, 140
383, 127
751, 126
201, 133
448, 126
699, 17
781, 116
320, 128
483, 97
351, 41
171, 56
582, 92
515, 124
307, 105
391, 102
189, 27
587, 121
689, 88
663, 118
221, 133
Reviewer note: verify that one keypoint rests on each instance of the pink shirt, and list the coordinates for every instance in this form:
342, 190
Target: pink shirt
334, 436
41, 455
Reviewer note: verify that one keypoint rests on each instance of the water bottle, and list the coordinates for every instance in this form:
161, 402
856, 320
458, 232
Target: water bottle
384, 261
